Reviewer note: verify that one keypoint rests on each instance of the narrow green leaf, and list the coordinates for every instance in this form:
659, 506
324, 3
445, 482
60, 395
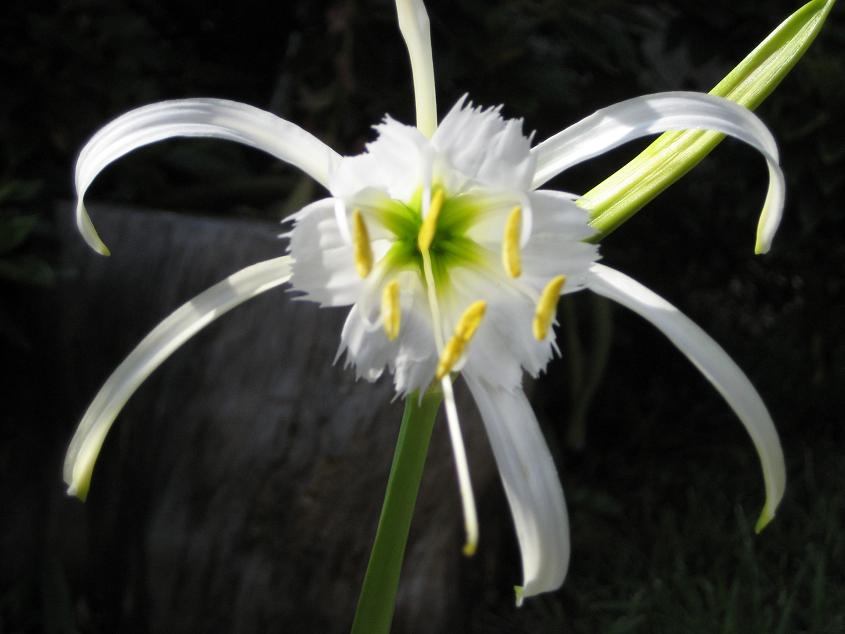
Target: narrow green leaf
14, 230
27, 269
673, 154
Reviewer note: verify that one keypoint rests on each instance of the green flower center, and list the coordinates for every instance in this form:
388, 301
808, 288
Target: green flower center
451, 246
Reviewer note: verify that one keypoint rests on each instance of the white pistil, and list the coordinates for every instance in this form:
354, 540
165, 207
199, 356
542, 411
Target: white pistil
462, 466
425, 237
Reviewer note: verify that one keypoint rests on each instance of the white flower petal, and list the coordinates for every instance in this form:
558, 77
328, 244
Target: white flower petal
323, 263
503, 345
651, 114
484, 147
546, 256
411, 357
556, 213
531, 484
714, 363
414, 26
217, 118
398, 160
157, 346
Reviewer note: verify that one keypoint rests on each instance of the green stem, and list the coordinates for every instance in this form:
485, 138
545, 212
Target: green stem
378, 593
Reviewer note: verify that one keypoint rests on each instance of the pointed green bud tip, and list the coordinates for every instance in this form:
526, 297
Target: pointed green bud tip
766, 516
520, 595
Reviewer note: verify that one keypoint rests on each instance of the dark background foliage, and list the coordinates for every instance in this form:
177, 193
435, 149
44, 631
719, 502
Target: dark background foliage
665, 489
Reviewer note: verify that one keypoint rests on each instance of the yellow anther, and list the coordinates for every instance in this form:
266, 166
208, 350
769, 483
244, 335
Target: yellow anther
464, 331
547, 306
429, 225
451, 353
510, 243
391, 311
470, 320
361, 243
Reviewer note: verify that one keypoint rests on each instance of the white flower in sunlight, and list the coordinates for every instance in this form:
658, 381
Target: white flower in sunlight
452, 260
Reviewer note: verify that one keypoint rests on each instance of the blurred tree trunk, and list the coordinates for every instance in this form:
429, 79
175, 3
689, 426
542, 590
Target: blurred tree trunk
240, 488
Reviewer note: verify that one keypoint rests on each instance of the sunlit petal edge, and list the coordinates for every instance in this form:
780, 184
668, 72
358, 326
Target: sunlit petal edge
152, 351
716, 366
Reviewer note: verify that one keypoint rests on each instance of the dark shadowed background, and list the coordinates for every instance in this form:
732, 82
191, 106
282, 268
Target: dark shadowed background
240, 488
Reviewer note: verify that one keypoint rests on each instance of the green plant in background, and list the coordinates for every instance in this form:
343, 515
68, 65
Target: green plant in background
453, 260
16, 228
21, 263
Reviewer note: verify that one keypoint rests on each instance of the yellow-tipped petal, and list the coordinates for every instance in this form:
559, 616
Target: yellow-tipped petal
546, 307
766, 516
519, 592
153, 350
429, 225
391, 311
511, 259
464, 331
361, 243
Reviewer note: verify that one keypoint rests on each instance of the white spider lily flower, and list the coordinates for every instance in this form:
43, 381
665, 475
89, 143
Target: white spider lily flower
451, 260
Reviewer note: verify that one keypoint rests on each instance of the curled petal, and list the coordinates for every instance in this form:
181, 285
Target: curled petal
531, 484
651, 114
216, 118
715, 364
157, 346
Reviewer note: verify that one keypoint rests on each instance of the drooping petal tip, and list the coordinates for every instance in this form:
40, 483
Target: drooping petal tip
766, 516
214, 118
660, 112
716, 366
531, 485
79, 464
772, 212
89, 233
153, 350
